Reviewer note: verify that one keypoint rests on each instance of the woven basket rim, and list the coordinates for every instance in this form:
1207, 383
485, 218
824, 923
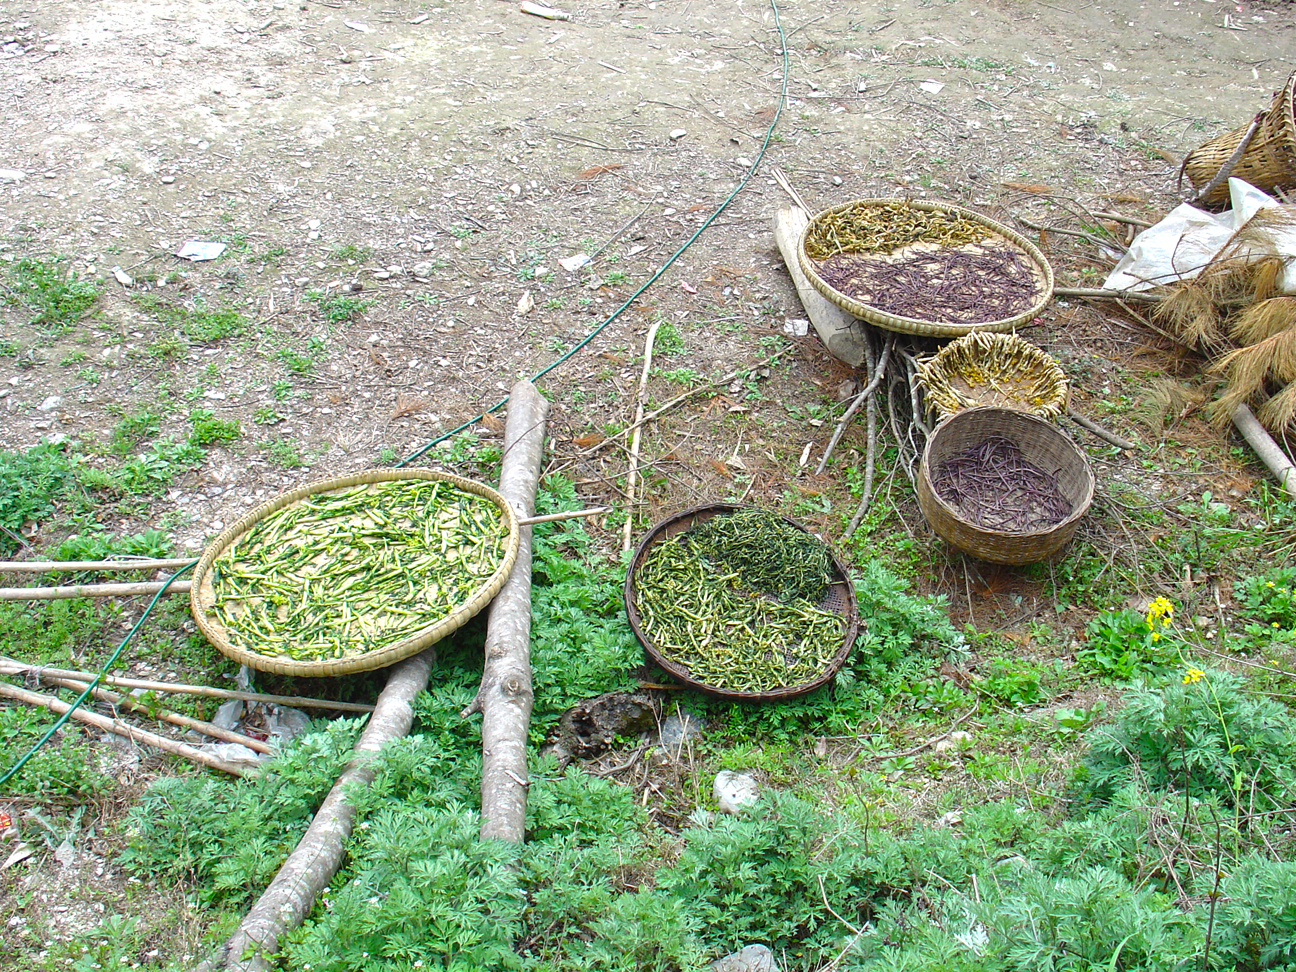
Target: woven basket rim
379, 658
1003, 546
939, 365
911, 325
679, 672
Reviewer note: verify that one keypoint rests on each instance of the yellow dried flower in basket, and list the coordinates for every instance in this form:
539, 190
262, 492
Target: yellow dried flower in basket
1003, 370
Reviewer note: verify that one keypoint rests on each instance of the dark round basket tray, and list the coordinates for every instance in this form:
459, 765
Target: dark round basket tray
839, 599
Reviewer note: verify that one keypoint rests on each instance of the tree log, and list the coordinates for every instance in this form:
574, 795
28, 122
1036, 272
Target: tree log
841, 333
505, 697
1266, 448
318, 855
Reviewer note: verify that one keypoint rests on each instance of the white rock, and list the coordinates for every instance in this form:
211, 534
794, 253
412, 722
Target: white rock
743, 161
313, 224
12, 175
752, 958
382, 274
955, 740
796, 326
733, 791
677, 134
168, 180
526, 303
51, 403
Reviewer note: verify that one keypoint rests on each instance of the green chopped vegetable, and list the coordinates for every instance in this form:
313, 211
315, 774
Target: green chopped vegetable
355, 570
705, 602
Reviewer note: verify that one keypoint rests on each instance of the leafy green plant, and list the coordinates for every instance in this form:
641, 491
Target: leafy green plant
54, 293
157, 467
1123, 645
338, 308
197, 323
33, 480
64, 767
351, 252
283, 453
267, 416
1271, 597
208, 429
1201, 734
133, 428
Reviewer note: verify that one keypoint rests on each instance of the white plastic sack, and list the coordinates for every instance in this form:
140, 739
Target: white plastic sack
1188, 239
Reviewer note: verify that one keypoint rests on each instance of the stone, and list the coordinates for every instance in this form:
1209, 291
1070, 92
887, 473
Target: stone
734, 791
51, 403
679, 728
750, 958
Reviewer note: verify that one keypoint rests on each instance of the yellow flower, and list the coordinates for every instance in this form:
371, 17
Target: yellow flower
1193, 675
1156, 636
1160, 611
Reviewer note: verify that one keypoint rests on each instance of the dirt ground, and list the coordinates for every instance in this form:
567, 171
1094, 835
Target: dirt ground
434, 162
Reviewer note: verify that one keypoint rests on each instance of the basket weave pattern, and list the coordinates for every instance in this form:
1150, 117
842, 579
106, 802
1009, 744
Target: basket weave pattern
1269, 161
202, 595
1042, 444
910, 325
840, 599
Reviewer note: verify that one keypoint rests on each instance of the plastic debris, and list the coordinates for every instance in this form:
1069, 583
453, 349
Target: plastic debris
197, 251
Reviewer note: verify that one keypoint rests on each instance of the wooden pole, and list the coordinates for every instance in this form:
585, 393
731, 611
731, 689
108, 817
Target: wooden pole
318, 855
9, 666
125, 730
506, 696
92, 590
165, 715
632, 476
44, 566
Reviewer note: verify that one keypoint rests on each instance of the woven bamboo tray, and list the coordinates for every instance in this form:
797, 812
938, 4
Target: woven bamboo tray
911, 325
1269, 160
1042, 444
993, 369
202, 594
839, 599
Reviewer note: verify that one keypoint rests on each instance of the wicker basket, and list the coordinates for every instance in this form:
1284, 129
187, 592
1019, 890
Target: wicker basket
1042, 444
993, 369
840, 599
1269, 160
202, 594
910, 325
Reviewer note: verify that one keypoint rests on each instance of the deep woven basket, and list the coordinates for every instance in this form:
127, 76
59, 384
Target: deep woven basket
993, 369
910, 325
1269, 160
840, 599
202, 594
1042, 444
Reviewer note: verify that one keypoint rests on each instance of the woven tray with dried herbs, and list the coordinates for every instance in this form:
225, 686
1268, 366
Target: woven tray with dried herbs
347, 572
735, 600
922, 264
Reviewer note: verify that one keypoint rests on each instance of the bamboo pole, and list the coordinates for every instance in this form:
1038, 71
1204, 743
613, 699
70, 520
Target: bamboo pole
92, 590
10, 666
165, 715
633, 475
117, 727
43, 566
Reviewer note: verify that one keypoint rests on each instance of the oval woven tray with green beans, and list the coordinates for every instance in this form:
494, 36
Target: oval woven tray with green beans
356, 573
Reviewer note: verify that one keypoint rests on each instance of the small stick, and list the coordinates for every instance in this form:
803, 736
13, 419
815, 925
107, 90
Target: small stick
870, 462
164, 715
43, 566
92, 590
10, 666
874, 380
1079, 234
1087, 423
570, 515
117, 727
1096, 293
1130, 220
632, 478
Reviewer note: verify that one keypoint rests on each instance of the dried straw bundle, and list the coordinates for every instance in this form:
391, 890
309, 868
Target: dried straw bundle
993, 369
1200, 311
1252, 371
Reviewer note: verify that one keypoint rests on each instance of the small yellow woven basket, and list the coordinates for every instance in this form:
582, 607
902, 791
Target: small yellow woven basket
1043, 273
202, 594
993, 369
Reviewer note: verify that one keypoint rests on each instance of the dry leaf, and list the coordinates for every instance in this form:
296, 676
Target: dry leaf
587, 441
408, 405
697, 207
20, 854
721, 468
687, 287
1028, 187
597, 170
492, 423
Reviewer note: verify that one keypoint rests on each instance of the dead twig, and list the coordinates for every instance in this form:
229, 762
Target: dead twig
632, 478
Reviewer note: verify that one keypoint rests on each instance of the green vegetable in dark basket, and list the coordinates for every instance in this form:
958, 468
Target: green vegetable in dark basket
698, 611
355, 570
768, 553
